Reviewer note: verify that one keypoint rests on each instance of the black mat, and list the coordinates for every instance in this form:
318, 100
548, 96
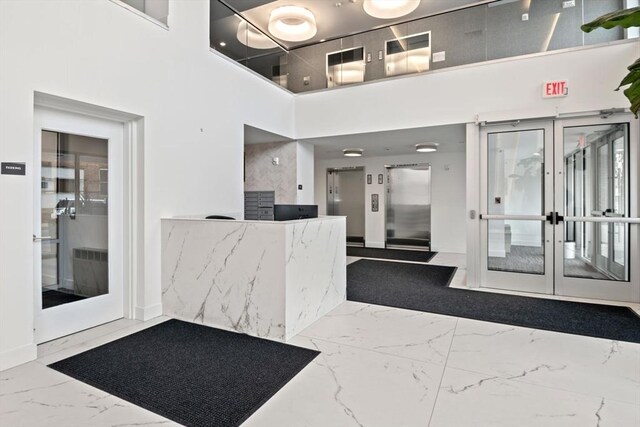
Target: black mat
54, 298
397, 254
424, 287
191, 374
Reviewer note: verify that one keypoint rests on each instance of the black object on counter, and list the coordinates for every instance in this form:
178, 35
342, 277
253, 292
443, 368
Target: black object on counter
290, 212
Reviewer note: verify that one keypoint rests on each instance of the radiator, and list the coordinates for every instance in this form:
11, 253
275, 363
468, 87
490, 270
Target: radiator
90, 271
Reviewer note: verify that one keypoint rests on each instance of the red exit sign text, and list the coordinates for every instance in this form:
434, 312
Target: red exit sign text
555, 89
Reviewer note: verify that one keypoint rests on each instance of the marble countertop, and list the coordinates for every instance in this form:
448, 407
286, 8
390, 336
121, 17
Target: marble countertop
227, 221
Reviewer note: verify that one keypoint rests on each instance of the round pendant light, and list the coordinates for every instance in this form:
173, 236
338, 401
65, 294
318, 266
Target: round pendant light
426, 148
389, 9
353, 152
292, 23
249, 35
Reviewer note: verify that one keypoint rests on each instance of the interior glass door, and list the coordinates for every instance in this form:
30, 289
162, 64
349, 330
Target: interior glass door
78, 233
597, 243
516, 248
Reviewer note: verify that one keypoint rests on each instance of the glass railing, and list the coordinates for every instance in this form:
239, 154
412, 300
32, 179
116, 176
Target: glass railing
490, 31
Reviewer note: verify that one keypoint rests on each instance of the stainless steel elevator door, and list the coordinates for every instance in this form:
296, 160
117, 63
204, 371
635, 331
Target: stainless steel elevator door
345, 197
408, 206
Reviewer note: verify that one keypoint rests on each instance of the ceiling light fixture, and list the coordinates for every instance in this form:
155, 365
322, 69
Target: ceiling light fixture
353, 152
223, 44
389, 9
249, 36
292, 23
426, 148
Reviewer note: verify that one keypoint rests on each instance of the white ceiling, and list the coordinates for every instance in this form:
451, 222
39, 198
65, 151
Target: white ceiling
258, 136
450, 138
333, 22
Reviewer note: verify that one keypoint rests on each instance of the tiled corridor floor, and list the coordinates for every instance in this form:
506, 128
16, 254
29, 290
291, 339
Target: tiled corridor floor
383, 367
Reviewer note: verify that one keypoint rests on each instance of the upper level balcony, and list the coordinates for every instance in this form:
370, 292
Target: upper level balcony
310, 45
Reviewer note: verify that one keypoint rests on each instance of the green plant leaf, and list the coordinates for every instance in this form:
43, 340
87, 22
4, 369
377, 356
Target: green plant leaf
629, 79
633, 93
622, 18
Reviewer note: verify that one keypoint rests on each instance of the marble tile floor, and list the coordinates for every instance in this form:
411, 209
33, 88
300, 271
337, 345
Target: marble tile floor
379, 366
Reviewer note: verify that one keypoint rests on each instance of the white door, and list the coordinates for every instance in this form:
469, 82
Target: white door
559, 207
596, 188
78, 230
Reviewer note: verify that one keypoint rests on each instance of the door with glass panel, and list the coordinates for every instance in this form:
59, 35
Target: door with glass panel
596, 190
78, 223
516, 195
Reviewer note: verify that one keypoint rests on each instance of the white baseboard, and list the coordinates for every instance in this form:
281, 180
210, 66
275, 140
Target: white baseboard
377, 245
18, 356
149, 312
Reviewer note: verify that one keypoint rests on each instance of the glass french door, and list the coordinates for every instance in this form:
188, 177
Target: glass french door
559, 205
78, 223
596, 196
517, 192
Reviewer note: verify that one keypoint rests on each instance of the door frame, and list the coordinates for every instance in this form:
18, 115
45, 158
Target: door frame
331, 171
514, 281
476, 162
628, 291
133, 256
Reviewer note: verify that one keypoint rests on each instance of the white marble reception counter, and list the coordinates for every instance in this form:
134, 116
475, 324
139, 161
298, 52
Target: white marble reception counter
265, 278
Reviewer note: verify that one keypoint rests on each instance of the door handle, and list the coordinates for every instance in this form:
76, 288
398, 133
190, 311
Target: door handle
37, 239
613, 215
554, 218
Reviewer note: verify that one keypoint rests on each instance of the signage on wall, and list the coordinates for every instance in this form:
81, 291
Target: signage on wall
555, 89
12, 168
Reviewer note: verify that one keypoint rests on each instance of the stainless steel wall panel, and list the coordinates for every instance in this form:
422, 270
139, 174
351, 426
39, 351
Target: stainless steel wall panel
408, 206
346, 197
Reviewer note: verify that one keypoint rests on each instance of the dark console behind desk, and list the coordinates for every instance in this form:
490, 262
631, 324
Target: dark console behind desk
292, 212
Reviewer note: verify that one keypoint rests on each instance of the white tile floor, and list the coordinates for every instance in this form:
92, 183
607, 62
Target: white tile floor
383, 367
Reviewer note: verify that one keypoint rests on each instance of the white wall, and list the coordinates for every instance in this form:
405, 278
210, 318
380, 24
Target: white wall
305, 167
500, 90
448, 196
194, 103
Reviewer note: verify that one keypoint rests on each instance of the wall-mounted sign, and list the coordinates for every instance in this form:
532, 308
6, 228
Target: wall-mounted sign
10, 168
369, 178
555, 89
374, 203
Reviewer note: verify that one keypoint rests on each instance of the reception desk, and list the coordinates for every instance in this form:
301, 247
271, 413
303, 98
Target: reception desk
264, 278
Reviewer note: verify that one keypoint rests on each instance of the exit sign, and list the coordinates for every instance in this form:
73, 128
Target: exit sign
555, 89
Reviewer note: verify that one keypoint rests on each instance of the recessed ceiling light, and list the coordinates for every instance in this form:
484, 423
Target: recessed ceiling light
389, 9
249, 35
426, 148
292, 23
223, 44
353, 152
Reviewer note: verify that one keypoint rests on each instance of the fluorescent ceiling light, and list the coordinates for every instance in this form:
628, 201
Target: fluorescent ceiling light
426, 148
249, 35
353, 152
292, 23
389, 9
